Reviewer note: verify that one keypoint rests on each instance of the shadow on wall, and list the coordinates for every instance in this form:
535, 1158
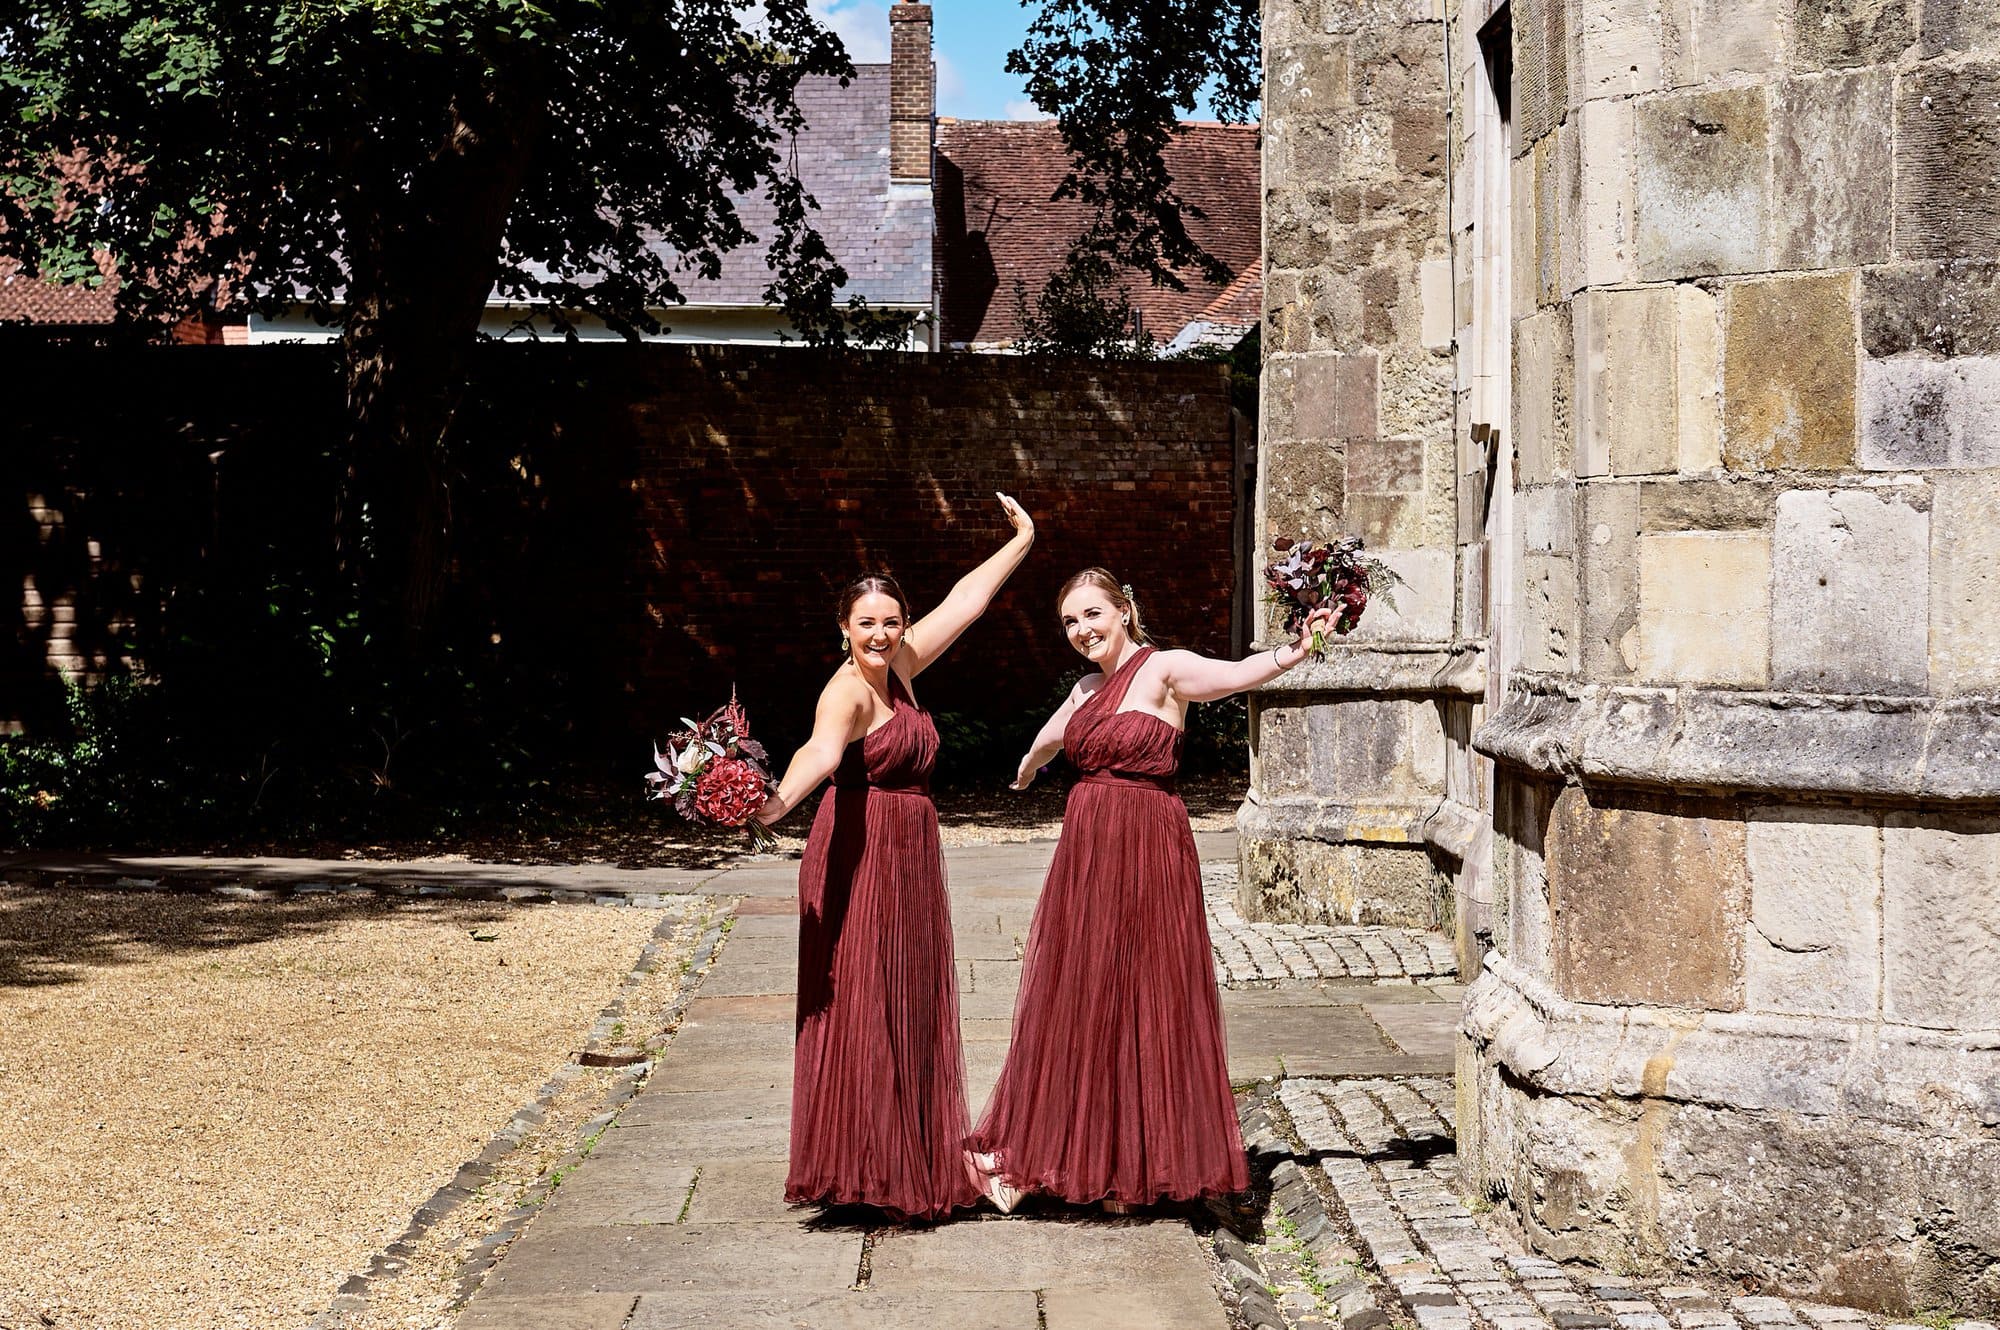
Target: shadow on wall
642, 527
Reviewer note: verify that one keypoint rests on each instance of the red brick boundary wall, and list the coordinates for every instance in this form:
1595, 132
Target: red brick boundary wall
656, 522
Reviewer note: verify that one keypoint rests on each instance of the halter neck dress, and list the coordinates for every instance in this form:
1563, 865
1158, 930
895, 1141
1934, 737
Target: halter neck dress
1116, 1084
878, 1083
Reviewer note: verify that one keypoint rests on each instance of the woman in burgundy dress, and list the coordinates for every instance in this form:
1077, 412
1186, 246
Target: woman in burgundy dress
1116, 1087
878, 1085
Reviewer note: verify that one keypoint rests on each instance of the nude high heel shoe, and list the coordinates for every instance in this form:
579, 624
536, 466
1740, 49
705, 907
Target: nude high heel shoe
985, 1168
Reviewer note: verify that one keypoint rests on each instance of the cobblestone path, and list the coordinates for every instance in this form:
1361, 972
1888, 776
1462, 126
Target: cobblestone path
1247, 953
1389, 1177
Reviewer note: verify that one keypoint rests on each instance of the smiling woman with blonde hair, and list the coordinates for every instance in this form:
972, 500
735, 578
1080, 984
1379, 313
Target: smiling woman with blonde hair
1116, 1087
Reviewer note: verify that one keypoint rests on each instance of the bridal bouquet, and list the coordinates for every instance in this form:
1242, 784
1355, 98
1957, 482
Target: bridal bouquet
715, 774
1338, 577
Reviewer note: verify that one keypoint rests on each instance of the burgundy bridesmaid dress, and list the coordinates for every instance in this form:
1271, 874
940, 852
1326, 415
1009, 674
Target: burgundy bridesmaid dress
878, 1086
1116, 1084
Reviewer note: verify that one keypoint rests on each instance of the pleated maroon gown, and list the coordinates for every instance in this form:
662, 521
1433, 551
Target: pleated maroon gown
878, 1084
1116, 1083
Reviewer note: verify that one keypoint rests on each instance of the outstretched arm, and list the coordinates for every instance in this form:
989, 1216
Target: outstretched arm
842, 718
931, 636
1197, 678
1049, 739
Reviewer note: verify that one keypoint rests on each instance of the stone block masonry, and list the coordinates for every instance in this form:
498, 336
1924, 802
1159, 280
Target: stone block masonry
654, 523
1716, 756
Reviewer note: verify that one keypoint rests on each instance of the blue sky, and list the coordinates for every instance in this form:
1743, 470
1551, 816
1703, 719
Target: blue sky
971, 39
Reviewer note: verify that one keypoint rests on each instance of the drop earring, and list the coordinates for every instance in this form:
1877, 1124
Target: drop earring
846, 647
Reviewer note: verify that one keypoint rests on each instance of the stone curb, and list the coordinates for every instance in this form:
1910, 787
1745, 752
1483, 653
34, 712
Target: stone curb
1283, 1282
390, 1262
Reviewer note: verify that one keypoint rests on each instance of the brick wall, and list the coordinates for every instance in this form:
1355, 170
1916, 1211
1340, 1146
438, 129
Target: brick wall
653, 523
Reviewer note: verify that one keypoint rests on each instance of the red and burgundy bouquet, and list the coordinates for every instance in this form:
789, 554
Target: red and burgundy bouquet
715, 774
1338, 577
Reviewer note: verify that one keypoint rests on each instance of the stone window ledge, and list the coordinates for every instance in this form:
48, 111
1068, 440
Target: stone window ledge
1426, 669
1812, 1065
1883, 749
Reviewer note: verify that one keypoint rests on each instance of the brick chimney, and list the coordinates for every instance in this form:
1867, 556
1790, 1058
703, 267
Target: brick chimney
912, 93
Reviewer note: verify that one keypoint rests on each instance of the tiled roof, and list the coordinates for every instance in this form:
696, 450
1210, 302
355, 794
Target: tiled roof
880, 233
997, 223
25, 298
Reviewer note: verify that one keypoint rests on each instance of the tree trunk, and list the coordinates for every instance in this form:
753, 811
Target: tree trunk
421, 262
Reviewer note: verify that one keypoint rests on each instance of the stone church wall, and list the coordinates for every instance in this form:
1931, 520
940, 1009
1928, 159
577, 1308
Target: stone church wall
1734, 1007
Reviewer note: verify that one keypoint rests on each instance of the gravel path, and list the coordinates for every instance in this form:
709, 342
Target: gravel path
212, 1112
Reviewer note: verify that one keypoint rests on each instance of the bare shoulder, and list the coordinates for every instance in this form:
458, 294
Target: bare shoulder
1086, 687
845, 689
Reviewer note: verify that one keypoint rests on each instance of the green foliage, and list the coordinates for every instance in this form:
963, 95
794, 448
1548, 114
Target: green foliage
282, 718
1118, 75
97, 771
1083, 310
419, 152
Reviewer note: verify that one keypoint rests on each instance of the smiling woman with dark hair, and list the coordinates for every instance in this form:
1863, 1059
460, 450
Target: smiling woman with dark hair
878, 1085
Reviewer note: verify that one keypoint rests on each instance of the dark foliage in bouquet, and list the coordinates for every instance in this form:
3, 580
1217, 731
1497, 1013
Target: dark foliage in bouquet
1337, 577
714, 773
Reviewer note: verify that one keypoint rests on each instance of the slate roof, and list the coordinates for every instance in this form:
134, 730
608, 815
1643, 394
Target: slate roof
882, 234
997, 223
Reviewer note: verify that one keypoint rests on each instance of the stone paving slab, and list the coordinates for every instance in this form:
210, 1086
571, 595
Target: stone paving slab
762, 1009
677, 1217
1181, 1307
752, 981
669, 1257
1028, 1252
601, 1197
1427, 1030
739, 1190
854, 1309
782, 923
593, 1311
1265, 1041
739, 1071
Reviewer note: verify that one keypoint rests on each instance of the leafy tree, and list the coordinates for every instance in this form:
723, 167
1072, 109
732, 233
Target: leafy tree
1083, 310
1118, 75
389, 163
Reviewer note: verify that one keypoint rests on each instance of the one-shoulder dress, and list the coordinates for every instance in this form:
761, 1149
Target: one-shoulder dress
878, 1085
1116, 1084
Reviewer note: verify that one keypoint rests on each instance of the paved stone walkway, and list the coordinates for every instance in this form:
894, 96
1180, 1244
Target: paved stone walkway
1247, 953
677, 1217
1388, 1165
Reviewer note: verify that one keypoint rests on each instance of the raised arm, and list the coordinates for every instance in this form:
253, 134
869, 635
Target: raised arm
1197, 678
931, 636
842, 718
1049, 739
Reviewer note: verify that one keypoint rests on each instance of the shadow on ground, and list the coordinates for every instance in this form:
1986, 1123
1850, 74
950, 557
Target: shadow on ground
51, 936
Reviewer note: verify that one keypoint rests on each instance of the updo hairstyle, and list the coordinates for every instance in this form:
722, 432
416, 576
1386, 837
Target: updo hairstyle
1119, 594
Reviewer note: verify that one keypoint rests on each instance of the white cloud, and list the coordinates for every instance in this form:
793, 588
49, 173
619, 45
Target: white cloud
863, 27
1020, 108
